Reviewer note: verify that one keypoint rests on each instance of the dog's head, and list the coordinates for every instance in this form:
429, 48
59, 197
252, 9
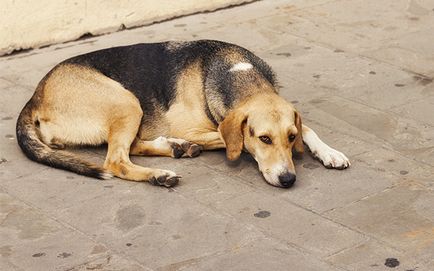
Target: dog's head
269, 128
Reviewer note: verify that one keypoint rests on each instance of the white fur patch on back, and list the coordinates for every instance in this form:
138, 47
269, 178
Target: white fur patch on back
242, 66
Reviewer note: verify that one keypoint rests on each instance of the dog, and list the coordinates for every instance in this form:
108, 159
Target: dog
167, 99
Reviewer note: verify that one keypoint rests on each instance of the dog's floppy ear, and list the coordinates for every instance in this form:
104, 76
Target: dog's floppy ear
231, 130
298, 144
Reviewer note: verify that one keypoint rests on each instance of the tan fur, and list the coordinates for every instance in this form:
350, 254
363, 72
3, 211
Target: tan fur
298, 144
68, 115
150, 148
231, 130
266, 115
186, 117
75, 105
153, 128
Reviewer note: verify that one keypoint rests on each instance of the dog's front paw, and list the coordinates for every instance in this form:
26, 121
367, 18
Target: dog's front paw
183, 148
167, 179
191, 149
332, 158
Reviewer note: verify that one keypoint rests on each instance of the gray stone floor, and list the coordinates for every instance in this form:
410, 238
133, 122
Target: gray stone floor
360, 72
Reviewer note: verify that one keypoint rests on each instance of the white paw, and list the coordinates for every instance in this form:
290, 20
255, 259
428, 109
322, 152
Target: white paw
332, 158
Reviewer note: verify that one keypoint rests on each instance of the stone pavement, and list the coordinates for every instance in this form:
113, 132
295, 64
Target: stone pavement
360, 72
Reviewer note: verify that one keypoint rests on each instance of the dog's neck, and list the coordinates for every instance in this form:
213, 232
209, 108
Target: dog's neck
247, 96
252, 102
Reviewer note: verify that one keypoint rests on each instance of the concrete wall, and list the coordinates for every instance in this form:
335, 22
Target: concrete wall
31, 24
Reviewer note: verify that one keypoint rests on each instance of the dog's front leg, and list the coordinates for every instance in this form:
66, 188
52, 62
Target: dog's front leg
330, 157
209, 140
162, 146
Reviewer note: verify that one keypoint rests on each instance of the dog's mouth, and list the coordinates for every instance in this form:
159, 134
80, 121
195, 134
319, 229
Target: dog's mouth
278, 182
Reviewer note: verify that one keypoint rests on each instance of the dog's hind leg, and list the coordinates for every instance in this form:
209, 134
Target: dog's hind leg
172, 147
123, 130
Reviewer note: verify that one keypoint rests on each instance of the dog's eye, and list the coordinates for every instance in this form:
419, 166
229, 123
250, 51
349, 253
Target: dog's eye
266, 139
291, 137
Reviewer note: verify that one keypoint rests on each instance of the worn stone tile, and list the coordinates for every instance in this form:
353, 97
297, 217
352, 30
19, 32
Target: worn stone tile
415, 53
283, 220
32, 241
147, 221
4, 83
15, 100
336, 72
53, 190
374, 255
264, 38
390, 161
410, 88
401, 217
389, 130
350, 67
31, 66
112, 262
391, 25
334, 133
355, 19
244, 170
209, 186
320, 189
5, 265
265, 254
207, 178
418, 110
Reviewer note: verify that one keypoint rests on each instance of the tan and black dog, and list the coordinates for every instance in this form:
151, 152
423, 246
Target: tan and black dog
169, 99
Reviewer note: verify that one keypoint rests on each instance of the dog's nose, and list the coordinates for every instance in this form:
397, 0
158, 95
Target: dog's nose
287, 179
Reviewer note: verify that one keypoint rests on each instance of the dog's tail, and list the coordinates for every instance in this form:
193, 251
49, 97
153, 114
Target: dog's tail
36, 150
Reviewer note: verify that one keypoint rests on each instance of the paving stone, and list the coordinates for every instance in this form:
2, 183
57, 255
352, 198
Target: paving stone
410, 88
147, 221
401, 134
54, 192
399, 216
390, 161
32, 241
374, 255
360, 72
261, 255
353, 20
321, 189
111, 262
5, 83
17, 95
418, 110
293, 224
411, 49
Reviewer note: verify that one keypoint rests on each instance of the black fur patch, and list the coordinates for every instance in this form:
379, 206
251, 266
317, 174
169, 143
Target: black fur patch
150, 71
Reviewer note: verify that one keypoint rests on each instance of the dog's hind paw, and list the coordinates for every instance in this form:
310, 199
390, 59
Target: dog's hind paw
183, 148
169, 179
191, 149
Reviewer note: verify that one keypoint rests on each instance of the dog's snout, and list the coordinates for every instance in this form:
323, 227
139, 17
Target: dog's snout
287, 179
